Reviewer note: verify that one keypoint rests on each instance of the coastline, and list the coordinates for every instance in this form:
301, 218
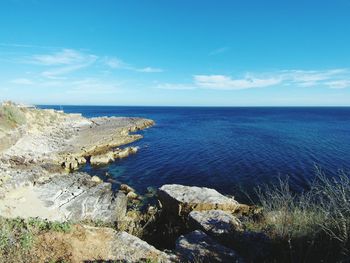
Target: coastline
39, 181
53, 144
51, 211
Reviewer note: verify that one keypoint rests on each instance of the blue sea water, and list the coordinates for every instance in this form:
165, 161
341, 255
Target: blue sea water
233, 150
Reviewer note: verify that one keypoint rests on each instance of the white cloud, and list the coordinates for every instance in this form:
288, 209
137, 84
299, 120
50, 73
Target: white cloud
227, 83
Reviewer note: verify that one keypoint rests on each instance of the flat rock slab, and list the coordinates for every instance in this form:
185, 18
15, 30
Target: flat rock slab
182, 199
105, 133
72, 197
215, 222
199, 247
78, 197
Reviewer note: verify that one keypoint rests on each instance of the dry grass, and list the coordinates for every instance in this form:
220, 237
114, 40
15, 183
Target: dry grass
310, 225
17, 236
10, 116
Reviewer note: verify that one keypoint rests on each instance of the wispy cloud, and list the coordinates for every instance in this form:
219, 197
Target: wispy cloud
58, 64
170, 86
331, 78
63, 57
116, 63
150, 70
61, 62
227, 83
219, 51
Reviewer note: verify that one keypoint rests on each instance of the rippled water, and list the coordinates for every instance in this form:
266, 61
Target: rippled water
230, 149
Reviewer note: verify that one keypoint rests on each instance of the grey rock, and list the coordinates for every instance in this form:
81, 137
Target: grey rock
79, 198
216, 222
181, 200
132, 249
199, 247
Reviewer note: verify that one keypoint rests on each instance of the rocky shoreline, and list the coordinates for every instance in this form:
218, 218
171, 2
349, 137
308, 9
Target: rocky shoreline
40, 151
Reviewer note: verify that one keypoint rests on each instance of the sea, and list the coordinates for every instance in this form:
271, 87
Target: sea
234, 150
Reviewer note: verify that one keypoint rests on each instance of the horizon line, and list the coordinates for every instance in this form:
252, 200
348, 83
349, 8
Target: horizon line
200, 106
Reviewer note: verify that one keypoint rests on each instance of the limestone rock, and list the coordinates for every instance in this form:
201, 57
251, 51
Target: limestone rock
126, 152
96, 179
132, 249
132, 195
199, 247
181, 200
76, 198
216, 222
102, 159
126, 188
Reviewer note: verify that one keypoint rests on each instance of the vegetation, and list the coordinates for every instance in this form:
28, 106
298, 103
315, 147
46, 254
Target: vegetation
311, 226
10, 116
17, 236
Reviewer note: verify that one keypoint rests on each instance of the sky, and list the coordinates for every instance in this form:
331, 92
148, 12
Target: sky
175, 52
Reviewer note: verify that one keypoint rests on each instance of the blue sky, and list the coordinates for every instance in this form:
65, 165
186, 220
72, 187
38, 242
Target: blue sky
178, 52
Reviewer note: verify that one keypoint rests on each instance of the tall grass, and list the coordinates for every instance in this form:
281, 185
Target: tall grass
312, 225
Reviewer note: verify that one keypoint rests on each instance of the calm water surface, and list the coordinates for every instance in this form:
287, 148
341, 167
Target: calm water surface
230, 149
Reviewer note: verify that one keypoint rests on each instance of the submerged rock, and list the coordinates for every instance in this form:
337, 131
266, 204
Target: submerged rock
181, 200
199, 247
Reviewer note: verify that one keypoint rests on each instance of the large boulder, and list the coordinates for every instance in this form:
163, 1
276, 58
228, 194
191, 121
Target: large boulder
199, 247
181, 200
